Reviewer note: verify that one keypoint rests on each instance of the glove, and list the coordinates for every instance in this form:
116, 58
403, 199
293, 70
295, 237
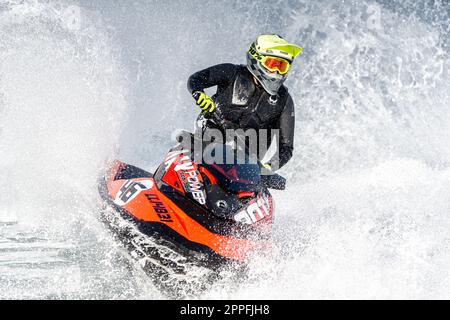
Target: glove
203, 101
267, 166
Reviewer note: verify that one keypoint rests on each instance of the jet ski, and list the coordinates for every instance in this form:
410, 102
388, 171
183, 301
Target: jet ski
190, 220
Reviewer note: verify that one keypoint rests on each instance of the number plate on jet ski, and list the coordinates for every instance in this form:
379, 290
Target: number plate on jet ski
130, 189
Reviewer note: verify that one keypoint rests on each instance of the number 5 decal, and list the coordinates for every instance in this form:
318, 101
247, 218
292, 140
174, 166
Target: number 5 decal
130, 190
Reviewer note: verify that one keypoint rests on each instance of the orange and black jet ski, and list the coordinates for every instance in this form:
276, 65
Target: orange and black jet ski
189, 215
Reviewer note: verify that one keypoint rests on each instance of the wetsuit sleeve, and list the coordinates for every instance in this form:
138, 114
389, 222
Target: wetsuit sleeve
287, 127
221, 74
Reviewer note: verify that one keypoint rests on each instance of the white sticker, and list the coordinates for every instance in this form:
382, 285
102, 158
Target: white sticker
256, 211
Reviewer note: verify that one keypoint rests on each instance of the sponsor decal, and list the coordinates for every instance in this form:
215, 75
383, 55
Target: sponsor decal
130, 190
172, 156
255, 54
257, 210
184, 164
159, 207
191, 179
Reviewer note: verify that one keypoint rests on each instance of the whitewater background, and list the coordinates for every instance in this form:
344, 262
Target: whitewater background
366, 210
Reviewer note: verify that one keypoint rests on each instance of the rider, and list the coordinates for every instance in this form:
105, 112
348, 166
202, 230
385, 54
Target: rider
253, 96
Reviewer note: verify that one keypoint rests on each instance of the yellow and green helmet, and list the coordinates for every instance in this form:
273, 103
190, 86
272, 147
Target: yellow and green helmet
269, 59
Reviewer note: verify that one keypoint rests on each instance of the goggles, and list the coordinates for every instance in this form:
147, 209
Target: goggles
271, 63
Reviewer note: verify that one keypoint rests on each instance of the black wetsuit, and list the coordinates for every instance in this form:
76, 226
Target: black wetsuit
247, 105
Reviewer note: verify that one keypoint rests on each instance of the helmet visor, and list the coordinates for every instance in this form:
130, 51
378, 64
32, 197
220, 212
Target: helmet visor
275, 64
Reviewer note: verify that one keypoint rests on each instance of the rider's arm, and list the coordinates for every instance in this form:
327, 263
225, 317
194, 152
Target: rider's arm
220, 74
286, 139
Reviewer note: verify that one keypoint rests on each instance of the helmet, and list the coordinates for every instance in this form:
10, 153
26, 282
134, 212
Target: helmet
269, 59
